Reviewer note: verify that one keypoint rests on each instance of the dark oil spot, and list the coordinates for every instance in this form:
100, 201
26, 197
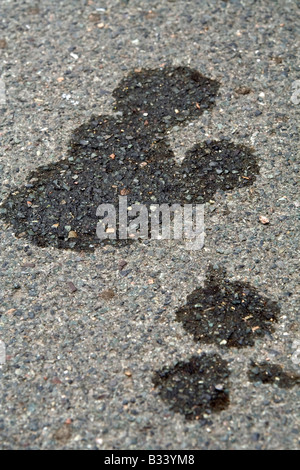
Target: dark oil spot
128, 155
195, 387
272, 374
232, 314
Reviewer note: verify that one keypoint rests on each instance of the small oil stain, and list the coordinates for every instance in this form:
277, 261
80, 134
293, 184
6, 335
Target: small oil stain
230, 314
196, 387
268, 373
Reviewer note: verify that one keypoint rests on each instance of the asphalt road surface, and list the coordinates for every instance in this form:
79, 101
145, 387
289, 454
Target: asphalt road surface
141, 343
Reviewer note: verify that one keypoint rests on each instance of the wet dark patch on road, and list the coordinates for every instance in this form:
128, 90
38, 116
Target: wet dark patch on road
128, 155
196, 387
230, 314
164, 97
268, 373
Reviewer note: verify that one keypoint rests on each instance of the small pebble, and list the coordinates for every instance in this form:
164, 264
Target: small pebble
264, 220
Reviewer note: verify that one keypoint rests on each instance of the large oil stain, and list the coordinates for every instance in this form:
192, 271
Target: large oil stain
268, 373
128, 155
195, 387
231, 314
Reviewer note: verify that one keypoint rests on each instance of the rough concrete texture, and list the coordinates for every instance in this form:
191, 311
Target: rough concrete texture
86, 333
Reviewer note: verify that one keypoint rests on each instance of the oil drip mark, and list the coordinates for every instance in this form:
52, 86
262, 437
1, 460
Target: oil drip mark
231, 314
196, 387
267, 373
128, 155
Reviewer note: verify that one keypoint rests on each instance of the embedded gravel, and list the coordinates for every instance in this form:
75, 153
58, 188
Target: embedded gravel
86, 331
